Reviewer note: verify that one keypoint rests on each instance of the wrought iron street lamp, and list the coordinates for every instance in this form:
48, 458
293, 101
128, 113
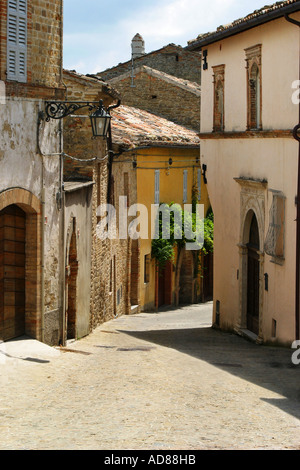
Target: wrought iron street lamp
100, 118
100, 121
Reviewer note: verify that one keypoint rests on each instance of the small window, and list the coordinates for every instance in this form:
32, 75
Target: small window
17, 40
185, 185
219, 76
147, 269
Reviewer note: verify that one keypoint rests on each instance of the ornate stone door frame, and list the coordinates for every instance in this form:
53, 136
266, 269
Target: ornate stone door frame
252, 200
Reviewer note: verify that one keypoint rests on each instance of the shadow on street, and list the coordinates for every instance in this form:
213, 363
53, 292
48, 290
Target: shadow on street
267, 367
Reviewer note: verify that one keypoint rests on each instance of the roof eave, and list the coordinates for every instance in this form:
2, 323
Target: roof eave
244, 26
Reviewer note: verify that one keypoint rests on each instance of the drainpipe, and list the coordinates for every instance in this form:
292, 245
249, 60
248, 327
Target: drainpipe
296, 136
43, 258
110, 153
42, 226
63, 248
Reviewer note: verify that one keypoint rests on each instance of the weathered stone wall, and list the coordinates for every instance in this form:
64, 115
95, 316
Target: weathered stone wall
109, 295
171, 59
44, 50
30, 162
28, 166
159, 94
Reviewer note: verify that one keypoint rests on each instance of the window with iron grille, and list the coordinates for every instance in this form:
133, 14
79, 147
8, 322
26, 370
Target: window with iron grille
17, 40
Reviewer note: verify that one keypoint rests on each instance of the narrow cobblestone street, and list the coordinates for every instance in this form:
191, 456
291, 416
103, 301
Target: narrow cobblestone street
154, 382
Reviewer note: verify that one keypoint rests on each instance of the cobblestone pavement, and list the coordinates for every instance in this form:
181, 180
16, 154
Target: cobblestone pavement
160, 381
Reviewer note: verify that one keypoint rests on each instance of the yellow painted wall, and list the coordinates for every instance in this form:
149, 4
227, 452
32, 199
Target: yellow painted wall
171, 190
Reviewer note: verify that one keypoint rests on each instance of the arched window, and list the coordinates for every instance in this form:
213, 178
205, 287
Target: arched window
219, 75
254, 98
219, 106
254, 91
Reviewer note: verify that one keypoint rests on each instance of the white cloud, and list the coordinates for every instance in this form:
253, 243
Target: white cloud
177, 20
161, 23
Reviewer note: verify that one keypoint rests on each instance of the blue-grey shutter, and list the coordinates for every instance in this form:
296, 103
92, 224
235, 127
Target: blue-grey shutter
17, 40
185, 184
157, 187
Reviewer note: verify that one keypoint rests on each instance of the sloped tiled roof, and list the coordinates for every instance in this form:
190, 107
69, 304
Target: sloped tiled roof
92, 81
187, 85
265, 14
137, 59
133, 127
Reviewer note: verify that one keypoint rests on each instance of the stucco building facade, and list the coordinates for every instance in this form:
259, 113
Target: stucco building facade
247, 144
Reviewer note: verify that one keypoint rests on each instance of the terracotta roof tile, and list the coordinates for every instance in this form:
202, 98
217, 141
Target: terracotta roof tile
133, 127
254, 15
187, 85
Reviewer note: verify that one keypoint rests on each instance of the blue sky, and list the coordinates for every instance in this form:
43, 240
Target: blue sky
98, 33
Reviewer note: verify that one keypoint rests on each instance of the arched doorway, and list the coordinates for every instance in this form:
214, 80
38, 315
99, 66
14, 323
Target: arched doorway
253, 274
71, 284
20, 265
12, 272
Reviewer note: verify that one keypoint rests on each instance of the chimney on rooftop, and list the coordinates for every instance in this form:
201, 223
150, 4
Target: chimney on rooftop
137, 46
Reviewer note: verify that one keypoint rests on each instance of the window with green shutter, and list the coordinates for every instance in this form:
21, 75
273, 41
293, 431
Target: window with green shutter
17, 40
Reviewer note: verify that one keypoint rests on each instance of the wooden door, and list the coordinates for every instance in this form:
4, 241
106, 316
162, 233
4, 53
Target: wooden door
253, 292
12, 272
208, 269
253, 279
165, 285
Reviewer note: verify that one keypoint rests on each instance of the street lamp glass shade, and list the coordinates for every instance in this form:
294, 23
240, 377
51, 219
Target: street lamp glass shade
100, 121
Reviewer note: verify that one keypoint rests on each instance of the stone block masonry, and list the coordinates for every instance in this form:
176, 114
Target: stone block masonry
173, 60
43, 53
161, 94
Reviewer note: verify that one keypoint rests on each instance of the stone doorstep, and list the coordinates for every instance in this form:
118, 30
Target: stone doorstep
134, 309
25, 348
248, 335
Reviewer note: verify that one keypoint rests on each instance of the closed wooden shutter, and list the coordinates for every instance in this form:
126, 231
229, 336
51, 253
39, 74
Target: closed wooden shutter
157, 187
17, 40
199, 184
185, 183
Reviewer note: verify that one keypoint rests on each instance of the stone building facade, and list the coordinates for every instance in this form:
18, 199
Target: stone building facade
31, 216
173, 98
86, 168
172, 59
